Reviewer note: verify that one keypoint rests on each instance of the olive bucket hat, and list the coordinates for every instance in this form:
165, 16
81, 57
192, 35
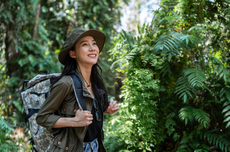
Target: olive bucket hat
76, 35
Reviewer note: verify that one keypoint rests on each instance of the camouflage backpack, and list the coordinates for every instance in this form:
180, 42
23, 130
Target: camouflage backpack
33, 98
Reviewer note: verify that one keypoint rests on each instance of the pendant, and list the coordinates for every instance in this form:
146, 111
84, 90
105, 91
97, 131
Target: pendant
88, 85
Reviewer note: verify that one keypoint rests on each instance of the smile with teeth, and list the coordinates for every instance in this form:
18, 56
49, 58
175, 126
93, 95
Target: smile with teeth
92, 55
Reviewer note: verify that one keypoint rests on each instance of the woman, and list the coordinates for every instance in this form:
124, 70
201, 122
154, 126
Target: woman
74, 129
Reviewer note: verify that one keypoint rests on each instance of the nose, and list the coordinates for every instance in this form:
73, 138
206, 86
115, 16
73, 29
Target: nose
92, 48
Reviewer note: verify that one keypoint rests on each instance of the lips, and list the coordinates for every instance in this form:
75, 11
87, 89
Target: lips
92, 55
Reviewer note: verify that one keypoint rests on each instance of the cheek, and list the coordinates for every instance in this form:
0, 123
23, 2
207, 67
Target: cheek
98, 49
79, 53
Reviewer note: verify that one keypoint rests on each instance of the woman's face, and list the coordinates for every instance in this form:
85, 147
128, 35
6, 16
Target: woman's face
86, 51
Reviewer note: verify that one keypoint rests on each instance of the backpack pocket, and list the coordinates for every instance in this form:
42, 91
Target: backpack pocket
40, 135
34, 127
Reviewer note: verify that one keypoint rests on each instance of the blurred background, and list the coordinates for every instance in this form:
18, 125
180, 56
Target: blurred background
165, 61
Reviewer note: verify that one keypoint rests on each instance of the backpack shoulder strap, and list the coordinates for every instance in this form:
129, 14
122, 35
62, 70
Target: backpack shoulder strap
78, 90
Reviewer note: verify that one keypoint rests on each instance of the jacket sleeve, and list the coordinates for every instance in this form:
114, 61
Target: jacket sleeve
46, 116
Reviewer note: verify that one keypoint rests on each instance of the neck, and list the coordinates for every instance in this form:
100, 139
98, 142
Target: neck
86, 72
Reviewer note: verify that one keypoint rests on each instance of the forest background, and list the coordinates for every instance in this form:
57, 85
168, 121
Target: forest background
171, 76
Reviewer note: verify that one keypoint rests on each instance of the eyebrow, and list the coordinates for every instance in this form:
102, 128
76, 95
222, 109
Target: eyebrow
85, 41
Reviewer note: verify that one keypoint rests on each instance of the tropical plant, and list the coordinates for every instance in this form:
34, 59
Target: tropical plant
5, 140
176, 91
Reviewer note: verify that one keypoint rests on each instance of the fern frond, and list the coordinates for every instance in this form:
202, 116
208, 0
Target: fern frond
4, 125
189, 114
220, 70
227, 93
166, 69
217, 140
184, 89
128, 39
186, 115
226, 110
170, 44
196, 77
192, 77
123, 51
184, 143
189, 40
202, 117
228, 124
227, 114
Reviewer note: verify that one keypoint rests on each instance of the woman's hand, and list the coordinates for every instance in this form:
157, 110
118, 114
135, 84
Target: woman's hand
113, 107
82, 118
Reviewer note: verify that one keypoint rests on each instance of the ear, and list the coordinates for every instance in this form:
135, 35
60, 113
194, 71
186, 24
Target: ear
72, 54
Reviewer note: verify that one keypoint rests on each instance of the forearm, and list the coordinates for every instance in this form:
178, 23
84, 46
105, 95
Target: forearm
82, 118
64, 122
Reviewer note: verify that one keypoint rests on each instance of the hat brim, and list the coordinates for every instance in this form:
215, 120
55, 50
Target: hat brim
98, 36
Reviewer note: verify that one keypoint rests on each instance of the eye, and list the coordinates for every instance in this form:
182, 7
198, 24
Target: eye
94, 43
84, 44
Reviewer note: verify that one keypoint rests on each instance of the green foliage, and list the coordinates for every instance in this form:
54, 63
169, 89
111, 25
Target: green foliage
5, 140
217, 140
5, 130
220, 71
172, 44
176, 88
191, 78
184, 88
188, 142
114, 131
226, 110
170, 123
190, 113
143, 66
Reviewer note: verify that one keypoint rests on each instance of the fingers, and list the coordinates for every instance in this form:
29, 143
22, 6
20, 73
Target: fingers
83, 118
87, 112
89, 116
89, 122
84, 114
112, 103
113, 107
84, 111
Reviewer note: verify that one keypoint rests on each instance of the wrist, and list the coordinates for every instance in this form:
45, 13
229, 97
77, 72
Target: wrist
73, 122
105, 112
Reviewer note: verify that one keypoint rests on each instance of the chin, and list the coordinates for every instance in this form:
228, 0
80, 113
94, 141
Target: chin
92, 63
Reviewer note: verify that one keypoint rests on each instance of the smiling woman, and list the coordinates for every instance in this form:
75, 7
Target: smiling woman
75, 128
85, 51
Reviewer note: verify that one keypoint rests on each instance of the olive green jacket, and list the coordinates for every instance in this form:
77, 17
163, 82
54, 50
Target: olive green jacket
62, 103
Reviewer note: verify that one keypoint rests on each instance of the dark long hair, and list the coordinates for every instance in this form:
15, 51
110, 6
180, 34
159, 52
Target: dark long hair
96, 79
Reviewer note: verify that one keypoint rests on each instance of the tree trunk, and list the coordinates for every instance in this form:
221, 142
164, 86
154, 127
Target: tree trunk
10, 49
35, 32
